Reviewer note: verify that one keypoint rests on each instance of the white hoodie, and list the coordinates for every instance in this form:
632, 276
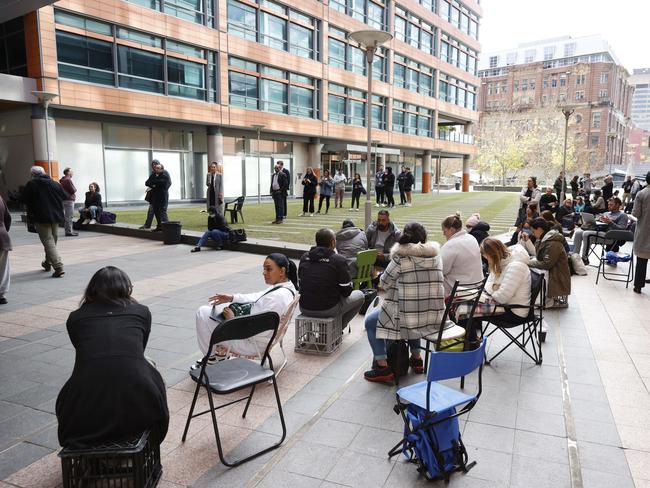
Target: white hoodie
461, 260
514, 281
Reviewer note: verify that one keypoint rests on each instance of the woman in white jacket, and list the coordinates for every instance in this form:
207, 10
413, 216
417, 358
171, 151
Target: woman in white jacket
461, 256
280, 274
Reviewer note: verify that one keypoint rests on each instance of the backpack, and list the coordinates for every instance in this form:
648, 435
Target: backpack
398, 357
107, 217
437, 449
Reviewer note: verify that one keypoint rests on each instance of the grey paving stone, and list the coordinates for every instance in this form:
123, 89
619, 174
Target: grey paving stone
305, 403
313, 460
598, 457
284, 479
541, 403
587, 410
23, 425
489, 437
593, 393
8, 410
360, 470
362, 390
490, 465
350, 411
541, 371
19, 456
332, 433
13, 386
598, 479
323, 385
541, 386
535, 445
375, 442
10, 344
383, 417
35, 396
46, 438
597, 432
293, 420
32, 350
541, 422
537, 472
493, 414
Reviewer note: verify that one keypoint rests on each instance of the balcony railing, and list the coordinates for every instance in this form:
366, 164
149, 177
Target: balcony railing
454, 136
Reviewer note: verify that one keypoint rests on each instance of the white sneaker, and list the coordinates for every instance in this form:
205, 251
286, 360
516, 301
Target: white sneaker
356, 209
350, 209
409, 205
377, 205
311, 214
301, 214
86, 222
93, 221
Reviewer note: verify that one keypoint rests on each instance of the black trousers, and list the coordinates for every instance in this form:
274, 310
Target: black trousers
380, 194
390, 201
285, 204
278, 200
402, 195
640, 272
308, 203
327, 200
355, 197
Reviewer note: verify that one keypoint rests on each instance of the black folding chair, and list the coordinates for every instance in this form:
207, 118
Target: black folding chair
531, 325
449, 335
236, 374
617, 236
236, 209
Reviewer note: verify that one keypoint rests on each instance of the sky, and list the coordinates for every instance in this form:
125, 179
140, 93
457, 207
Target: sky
623, 23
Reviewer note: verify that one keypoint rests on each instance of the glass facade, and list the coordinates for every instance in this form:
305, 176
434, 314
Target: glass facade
367, 11
411, 119
274, 25
344, 54
456, 91
458, 54
414, 31
348, 106
413, 76
459, 16
197, 11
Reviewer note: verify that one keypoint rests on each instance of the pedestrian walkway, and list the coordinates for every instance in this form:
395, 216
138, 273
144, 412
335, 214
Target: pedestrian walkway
580, 419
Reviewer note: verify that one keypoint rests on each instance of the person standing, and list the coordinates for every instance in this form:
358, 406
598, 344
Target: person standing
400, 185
288, 175
279, 186
357, 190
574, 187
5, 247
68, 203
159, 182
409, 182
642, 238
560, 186
44, 200
214, 182
586, 184
608, 188
326, 189
309, 184
379, 186
339, 188
627, 189
150, 210
389, 185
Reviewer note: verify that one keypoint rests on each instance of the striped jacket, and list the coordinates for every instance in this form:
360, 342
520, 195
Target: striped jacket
415, 296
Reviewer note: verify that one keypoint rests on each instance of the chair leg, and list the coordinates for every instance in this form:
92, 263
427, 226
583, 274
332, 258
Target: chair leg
189, 415
242, 218
426, 357
285, 359
248, 402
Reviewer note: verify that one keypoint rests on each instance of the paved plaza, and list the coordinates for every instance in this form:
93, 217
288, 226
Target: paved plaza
580, 419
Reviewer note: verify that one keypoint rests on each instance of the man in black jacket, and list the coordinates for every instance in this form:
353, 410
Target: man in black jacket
150, 210
159, 182
279, 187
44, 200
325, 283
288, 175
400, 185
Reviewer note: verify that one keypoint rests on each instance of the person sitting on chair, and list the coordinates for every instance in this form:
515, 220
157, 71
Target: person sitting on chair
477, 228
114, 393
92, 205
382, 235
615, 219
325, 283
218, 230
548, 201
414, 302
350, 241
279, 273
461, 256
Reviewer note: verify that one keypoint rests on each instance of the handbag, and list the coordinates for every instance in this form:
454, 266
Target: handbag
237, 235
398, 357
30, 224
147, 195
239, 309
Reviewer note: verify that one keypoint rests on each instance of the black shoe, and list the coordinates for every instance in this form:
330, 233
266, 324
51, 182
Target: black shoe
46, 266
586, 261
417, 365
58, 273
158, 229
380, 375
647, 281
72, 234
196, 249
3, 301
637, 290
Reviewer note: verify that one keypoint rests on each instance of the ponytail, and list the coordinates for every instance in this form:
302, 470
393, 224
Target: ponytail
453, 222
289, 266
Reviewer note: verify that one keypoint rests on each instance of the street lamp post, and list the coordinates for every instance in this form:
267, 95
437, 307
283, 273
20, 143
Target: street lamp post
258, 128
610, 149
370, 40
567, 112
45, 98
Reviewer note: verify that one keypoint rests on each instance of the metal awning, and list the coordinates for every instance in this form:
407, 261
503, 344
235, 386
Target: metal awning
360, 149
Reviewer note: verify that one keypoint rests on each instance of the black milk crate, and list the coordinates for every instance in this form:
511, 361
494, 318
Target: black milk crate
129, 464
317, 335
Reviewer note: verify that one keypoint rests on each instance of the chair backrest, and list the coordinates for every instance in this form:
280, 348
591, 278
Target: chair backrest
446, 365
285, 319
620, 235
244, 327
461, 293
536, 287
365, 263
240, 203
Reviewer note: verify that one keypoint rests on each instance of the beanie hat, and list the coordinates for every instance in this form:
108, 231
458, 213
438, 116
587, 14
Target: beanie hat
473, 220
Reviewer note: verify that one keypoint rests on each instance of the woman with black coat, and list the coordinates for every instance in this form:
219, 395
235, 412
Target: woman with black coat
309, 183
114, 393
92, 205
357, 190
389, 185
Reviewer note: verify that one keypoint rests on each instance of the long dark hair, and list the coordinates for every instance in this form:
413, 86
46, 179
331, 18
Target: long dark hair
109, 285
289, 266
413, 233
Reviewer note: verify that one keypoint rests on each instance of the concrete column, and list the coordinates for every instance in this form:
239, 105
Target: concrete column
43, 138
215, 146
466, 165
426, 172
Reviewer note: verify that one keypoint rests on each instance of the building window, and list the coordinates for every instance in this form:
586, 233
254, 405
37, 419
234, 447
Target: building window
274, 25
604, 78
412, 75
569, 49
344, 55
191, 10
348, 106
186, 79
494, 60
563, 79
578, 119
255, 86
411, 119
414, 31
370, 12
458, 54
580, 79
140, 70
13, 56
595, 120
580, 95
594, 141
529, 55
456, 91
603, 93
549, 53
459, 16
511, 58
85, 59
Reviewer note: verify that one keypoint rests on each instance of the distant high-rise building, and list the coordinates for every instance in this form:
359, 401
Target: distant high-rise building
581, 73
640, 114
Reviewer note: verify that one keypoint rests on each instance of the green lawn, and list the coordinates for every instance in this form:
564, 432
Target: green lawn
499, 209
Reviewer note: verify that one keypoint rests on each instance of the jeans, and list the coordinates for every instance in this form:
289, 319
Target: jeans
48, 234
402, 195
338, 197
5, 272
278, 200
584, 235
218, 236
379, 346
83, 213
68, 212
380, 194
639, 272
308, 203
390, 201
327, 202
347, 308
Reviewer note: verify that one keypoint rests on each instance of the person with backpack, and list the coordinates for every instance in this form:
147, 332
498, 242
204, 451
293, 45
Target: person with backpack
414, 302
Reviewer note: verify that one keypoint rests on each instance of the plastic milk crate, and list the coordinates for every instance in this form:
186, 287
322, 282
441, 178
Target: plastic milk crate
128, 464
317, 335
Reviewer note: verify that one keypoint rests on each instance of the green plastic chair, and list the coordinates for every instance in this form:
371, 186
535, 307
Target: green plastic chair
365, 265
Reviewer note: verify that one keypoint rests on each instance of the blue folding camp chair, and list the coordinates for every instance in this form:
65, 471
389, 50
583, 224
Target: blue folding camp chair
430, 411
